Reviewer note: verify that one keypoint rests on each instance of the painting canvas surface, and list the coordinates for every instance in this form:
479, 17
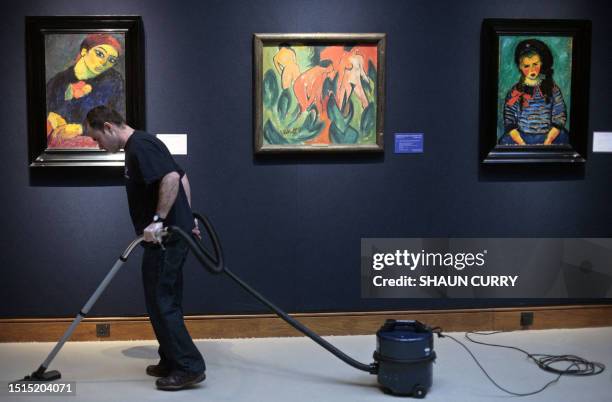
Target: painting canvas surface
82, 71
534, 90
319, 95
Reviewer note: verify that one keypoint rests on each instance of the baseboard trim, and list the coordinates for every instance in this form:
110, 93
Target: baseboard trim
344, 323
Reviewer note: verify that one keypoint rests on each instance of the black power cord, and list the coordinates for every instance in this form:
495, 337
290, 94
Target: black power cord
577, 365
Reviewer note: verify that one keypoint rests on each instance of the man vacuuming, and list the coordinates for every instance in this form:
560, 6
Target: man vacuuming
158, 195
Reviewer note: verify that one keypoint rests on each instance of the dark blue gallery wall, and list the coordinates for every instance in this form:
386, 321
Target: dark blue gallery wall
290, 226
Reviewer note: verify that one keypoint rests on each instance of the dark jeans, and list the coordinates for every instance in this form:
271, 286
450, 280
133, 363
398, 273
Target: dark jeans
162, 275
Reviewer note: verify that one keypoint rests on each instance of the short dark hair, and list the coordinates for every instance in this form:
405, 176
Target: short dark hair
99, 115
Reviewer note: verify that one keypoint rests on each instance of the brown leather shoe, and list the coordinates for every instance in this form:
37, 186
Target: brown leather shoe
158, 370
179, 380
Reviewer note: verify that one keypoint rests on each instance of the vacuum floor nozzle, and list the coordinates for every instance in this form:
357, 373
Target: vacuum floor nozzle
43, 376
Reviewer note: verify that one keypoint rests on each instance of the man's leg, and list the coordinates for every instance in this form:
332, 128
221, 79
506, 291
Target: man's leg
150, 279
179, 347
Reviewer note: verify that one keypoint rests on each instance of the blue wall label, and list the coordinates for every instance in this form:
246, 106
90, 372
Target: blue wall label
408, 143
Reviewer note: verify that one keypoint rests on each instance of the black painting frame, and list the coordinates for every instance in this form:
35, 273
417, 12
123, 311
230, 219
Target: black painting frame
576, 151
36, 29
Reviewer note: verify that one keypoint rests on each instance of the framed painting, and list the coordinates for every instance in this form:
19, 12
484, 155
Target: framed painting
534, 100
319, 92
74, 64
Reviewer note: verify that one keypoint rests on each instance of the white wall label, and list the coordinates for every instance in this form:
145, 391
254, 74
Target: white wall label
176, 143
602, 141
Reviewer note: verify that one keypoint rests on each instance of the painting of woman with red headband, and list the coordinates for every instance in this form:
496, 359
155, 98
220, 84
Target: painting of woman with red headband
83, 71
534, 89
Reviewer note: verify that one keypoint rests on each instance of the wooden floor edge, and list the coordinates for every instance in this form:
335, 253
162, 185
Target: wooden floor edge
337, 323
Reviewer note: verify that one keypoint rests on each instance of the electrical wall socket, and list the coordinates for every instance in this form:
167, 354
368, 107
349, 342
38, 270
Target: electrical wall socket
102, 330
526, 318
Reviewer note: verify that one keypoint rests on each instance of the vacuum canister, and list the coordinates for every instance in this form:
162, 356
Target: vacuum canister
404, 353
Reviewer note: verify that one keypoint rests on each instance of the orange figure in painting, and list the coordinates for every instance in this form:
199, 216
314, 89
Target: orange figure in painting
286, 64
308, 89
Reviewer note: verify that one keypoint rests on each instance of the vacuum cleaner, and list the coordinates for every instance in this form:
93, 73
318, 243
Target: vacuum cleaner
404, 348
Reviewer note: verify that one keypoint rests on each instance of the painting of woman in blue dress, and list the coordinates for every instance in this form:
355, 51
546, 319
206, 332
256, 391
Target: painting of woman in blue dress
534, 109
90, 80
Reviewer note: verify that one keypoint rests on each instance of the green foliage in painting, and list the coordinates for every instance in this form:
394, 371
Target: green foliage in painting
270, 89
283, 111
284, 104
372, 72
368, 121
348, 136
341, 121
340, 130
311, 127
272, 135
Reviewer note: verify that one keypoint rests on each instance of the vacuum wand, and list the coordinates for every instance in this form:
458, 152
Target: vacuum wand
41, 374
215, 264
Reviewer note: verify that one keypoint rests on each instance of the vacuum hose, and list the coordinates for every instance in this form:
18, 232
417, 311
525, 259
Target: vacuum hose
215, 264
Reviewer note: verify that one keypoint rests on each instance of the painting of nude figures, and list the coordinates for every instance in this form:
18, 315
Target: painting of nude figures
319, 92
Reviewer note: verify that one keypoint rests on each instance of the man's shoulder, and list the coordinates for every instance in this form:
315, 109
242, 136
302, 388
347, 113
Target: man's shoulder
143, 141
137, 141
142, 137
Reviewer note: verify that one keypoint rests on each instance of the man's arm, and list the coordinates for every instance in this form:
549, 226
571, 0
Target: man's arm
168, 189
187, 188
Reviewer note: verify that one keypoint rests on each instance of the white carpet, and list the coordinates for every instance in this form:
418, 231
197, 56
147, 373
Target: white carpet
296, 369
